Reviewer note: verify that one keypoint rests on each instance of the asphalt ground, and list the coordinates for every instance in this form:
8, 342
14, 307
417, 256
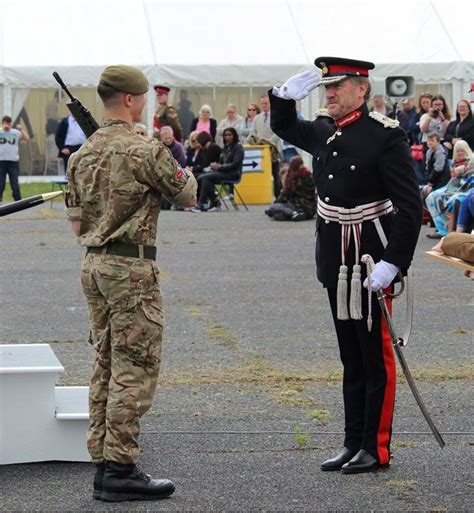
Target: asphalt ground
250, 396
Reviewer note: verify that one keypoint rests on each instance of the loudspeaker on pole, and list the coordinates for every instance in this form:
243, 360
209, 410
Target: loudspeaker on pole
399, 86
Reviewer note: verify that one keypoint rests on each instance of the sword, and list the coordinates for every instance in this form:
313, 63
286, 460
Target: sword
398, 343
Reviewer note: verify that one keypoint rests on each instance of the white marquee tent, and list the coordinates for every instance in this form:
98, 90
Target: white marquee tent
242, 43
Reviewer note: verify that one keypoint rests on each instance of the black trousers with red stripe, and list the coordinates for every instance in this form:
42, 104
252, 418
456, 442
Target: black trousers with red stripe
369, 379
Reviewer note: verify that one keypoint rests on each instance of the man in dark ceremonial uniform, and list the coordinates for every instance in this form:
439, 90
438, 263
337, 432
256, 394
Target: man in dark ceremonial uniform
363, 172
166, 115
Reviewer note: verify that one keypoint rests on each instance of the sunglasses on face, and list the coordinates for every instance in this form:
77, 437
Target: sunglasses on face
251, 109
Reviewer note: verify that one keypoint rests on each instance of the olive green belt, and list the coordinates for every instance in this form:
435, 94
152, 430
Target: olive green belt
125, 250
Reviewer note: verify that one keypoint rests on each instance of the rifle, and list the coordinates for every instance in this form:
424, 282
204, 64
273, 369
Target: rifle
83, 116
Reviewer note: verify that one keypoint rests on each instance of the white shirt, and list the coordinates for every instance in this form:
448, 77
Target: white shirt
9, 144
75, 136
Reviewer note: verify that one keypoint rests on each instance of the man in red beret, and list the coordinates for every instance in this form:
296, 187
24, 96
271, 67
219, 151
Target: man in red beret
166, 115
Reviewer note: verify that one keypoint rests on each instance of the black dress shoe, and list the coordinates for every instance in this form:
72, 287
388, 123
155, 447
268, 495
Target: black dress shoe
336, 463
360, 463
434, 235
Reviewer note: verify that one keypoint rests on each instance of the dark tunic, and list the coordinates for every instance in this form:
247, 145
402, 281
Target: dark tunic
366, 163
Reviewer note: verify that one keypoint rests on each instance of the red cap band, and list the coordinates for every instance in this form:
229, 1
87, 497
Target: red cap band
336, 69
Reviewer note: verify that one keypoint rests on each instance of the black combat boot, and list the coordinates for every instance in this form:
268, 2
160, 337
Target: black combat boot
99, 476
128, 483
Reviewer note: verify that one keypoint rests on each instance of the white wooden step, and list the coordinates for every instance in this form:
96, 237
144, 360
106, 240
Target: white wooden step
72, 403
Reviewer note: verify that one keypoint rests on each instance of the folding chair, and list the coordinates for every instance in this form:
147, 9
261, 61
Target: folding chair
225, 189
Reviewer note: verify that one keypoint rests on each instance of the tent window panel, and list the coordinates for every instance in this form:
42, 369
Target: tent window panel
45, 108
239, 96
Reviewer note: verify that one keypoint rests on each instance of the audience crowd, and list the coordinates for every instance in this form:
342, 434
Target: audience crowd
441, 145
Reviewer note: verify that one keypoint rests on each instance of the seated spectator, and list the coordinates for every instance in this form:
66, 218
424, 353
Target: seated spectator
229, 167
437, 166
466, 213
461, 128
297, 199
232, 119
205, 122
252, 110
209, 152
192, 149
176, 148
437, 118
441, 203
140, 129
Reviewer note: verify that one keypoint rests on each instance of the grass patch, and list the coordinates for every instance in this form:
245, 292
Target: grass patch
449, 372
298, 402
319, 414
460, 331
195, 311
255, 371
406, 484
29, 189
301, 438
222, 335
403, 444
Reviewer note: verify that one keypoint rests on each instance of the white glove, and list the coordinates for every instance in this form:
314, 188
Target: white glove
382, 275
297, 87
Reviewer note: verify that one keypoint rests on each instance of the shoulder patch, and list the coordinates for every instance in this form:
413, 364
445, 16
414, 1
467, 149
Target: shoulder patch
384, 120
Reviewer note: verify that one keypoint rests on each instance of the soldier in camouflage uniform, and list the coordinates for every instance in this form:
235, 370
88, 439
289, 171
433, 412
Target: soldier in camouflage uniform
297, 199
166, 115
115, 184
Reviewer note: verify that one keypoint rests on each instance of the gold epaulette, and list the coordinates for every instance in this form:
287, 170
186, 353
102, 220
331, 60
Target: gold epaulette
384, 120
322, 113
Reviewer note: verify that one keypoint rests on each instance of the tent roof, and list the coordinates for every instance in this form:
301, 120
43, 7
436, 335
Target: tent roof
247, 42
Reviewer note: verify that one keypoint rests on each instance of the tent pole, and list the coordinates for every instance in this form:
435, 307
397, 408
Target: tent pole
7, 100
150, 110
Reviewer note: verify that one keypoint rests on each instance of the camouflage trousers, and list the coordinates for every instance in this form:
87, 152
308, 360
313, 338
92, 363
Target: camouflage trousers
126, 320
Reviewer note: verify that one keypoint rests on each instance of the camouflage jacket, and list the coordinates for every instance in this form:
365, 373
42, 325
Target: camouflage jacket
303, 193
115, 183
166, 115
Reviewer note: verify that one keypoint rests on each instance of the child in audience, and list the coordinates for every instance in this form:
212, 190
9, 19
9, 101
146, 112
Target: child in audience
441, 203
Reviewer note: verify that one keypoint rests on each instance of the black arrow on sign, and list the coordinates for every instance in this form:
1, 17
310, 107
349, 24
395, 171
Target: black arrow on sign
253, 164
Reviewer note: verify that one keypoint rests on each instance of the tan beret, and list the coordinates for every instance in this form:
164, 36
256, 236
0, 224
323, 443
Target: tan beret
127, 79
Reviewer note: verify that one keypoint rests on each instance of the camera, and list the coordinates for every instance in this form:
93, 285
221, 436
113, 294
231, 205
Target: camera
435, 113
